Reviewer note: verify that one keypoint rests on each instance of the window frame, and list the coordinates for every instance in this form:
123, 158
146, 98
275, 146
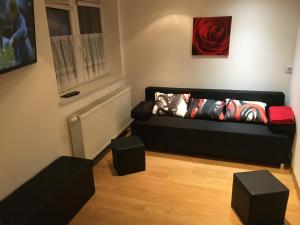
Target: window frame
68, 8
101, 6
71, 7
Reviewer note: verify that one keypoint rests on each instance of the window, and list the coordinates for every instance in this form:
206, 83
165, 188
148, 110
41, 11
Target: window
89, 20
58, 22
77, 42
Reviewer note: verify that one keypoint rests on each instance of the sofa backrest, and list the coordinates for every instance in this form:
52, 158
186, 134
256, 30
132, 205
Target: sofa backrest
270, 98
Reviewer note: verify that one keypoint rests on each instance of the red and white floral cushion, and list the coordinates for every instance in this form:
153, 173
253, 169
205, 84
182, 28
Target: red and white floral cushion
171, 104
206, 109
246, 111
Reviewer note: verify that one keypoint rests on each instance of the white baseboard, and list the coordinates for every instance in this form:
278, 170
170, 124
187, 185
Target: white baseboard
296, 184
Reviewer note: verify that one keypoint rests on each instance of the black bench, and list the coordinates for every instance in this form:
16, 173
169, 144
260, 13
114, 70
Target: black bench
52, 197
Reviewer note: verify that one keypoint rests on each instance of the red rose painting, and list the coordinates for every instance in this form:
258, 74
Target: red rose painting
211, 35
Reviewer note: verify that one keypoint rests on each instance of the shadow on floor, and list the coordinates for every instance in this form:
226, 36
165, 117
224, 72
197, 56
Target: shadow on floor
112, 168
286, 222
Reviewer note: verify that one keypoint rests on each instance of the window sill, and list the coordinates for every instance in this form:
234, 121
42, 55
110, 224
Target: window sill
91, 88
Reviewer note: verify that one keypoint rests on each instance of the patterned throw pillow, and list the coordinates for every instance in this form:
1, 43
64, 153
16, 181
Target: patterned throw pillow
171, 104
246, 111
206, 109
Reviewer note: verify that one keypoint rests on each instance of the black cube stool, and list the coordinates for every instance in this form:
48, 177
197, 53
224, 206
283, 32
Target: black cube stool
128, 155
259, 198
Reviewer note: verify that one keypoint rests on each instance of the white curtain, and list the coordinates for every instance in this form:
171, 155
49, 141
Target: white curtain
78, 59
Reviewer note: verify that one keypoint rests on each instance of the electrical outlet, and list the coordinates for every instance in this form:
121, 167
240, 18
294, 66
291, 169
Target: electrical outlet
289, 69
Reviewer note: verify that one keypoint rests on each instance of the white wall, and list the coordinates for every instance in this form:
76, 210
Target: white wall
295, 102
157, 38
34, 128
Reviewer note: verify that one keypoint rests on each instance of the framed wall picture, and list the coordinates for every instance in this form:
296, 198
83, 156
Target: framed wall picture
211, 35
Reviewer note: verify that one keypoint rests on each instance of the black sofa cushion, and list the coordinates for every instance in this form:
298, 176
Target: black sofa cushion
269, 97
237, 141
209, 125
143, 110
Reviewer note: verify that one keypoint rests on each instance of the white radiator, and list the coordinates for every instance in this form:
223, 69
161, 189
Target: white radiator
93, 127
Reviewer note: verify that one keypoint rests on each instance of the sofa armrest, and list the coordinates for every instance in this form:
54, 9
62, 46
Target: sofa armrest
143, 110
282, 120
289, 129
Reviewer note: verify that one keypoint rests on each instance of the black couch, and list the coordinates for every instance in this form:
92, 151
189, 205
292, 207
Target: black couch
227, 140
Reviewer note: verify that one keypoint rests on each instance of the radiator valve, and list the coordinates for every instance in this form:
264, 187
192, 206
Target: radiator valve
74, 119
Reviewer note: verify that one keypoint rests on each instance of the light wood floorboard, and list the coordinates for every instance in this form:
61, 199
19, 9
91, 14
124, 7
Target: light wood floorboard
174, 190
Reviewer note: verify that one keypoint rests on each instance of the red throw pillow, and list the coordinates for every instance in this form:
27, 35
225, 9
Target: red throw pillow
246, 111
281, 115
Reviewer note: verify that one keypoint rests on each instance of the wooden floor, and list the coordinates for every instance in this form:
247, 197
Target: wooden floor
175, 190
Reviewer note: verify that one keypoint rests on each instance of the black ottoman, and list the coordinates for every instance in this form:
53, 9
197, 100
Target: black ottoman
259, 198
53, 196
128, 155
